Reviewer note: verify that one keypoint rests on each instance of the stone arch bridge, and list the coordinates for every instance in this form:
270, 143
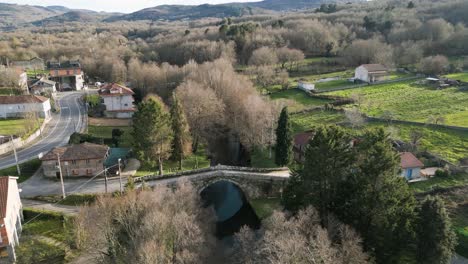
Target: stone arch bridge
254, 182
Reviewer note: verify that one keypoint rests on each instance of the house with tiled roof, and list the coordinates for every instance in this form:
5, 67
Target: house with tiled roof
77, 160
18, 105
118, 100
371, 73
410, 166
300, 143
44, 86
11, 215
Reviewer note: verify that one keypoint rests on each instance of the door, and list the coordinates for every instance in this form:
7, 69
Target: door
409, 174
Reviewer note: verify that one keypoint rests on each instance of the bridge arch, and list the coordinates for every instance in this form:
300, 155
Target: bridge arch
249, 190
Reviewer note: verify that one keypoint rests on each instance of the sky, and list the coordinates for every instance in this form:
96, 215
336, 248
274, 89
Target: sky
124, 6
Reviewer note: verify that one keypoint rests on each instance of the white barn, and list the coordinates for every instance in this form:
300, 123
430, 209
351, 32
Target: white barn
17, 106
118, 100
306, 87
371, 73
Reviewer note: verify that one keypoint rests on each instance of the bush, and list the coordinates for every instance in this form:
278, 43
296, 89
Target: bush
442, 173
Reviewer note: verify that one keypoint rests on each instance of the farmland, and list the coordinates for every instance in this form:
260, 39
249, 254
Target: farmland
18, 127
463, 76
297, 100
410, 101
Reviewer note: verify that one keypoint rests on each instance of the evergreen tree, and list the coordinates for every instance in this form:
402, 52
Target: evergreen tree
283, 150
152, 132
181, 142
436, 240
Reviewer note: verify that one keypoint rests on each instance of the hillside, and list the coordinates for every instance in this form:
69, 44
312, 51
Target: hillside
12, 14
72, 16
284, 5
179, 12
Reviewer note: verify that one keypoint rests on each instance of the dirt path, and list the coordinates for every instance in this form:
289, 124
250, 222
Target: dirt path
39, 205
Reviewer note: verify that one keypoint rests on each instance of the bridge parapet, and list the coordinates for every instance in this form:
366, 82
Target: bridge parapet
255, 182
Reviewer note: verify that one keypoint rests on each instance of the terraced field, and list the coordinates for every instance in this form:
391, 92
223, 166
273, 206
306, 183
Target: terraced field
410, 101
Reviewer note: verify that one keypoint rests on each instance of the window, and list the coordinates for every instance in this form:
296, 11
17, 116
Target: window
68, 72
125, 104
87, 161
89, 172
56, 73
73, 162
75, 172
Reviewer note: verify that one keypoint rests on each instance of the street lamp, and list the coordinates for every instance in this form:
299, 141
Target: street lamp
120, 177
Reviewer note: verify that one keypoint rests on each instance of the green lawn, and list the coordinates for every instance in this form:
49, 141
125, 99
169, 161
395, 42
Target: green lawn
106, 132
264, 207
260, 158
27, 170
451, 145
18, 127
194, 161
462, 76
440, 182
298, 100
323, 86
410, 101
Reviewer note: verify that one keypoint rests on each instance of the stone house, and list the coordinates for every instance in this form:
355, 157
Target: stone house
371, 73
68, 75
118, 100
11, 215
44, 86
78, 160
410, 166
17, 106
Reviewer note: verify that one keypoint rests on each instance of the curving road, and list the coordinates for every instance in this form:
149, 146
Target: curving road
57, 132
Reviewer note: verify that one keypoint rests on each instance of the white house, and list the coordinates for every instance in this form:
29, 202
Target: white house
17, 106
410, 166
118, 100
11, 215
371, 73
44, 86
306, 87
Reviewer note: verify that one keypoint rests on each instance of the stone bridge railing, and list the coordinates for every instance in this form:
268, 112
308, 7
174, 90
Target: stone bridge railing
255, 182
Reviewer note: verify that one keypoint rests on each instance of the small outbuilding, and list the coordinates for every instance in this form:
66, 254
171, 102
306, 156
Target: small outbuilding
410, 166
371, 73
305, 86
44, 86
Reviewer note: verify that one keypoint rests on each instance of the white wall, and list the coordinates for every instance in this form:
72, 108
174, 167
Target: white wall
114, 103
362, 74
13, 213
415, 175
15, 110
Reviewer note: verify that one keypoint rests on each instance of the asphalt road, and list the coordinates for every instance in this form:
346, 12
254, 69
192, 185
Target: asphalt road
56, 133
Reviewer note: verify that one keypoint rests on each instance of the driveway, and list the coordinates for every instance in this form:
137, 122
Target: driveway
57, 132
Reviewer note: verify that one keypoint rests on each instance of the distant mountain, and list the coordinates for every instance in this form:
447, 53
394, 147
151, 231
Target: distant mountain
12, 14
181, 12
61, 9
71, 16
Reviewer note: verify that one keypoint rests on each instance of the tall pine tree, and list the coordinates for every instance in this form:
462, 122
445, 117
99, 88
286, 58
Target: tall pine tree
181, 142
283, 150
152, 132
436, 240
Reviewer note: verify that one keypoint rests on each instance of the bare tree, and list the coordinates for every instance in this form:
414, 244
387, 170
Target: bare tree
161, 226
434, 64
263, 56
355, 118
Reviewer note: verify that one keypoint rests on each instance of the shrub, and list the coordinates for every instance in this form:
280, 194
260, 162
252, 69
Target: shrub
442, 173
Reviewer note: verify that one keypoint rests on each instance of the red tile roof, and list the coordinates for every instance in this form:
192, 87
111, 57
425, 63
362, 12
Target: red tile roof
82, 151
408, 160
22, 99
302, 139
374, 67
114, 89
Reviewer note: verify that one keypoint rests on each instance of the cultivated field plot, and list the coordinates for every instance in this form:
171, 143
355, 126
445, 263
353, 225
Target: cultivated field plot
449, 144
463, 76
297, 100
412, 102
18, 127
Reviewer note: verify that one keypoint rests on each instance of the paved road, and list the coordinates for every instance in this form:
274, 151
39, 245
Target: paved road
53, 207
57, 132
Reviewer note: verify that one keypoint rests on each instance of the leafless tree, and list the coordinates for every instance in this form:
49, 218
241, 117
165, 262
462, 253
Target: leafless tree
263, 56
355, 118
161, 226
434, 64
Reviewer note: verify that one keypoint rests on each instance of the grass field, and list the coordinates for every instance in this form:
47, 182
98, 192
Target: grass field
451, 145
264, 207
260, 158
462, 76
106, 132
440, 182
323, 86
298, 100
194, 161
18, 127
27, 170
412, 102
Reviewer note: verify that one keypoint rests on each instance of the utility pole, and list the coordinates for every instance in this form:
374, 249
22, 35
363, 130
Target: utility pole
16, 156
120, 179
105, 178
61, 176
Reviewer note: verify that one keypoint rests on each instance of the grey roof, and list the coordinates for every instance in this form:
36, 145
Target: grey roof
52, 83
374, 67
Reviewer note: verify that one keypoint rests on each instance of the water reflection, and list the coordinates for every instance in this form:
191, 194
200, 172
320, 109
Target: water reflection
232, 208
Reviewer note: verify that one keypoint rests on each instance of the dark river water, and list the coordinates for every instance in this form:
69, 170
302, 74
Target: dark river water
233, 211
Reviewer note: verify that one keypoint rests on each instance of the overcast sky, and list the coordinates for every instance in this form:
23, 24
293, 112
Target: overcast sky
125, 6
